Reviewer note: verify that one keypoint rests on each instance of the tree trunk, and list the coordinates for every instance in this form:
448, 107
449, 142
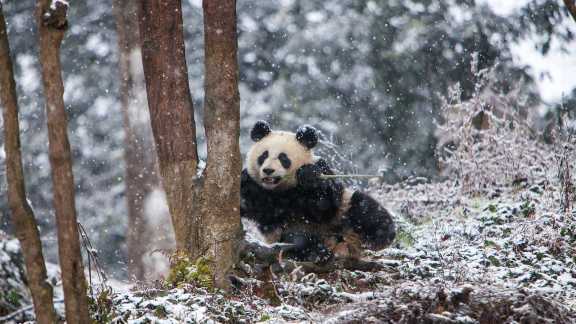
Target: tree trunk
52, 24
172, 116
571, 6
221, 190
139, 155
205, 210
22, 215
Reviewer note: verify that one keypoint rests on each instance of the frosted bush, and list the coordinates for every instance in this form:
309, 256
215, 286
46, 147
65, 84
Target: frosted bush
488, 141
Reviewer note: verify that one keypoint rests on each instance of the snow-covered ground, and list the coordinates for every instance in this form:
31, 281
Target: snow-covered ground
491, 243
507, 256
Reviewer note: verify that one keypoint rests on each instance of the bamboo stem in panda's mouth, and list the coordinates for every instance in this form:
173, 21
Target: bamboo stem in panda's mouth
341, 176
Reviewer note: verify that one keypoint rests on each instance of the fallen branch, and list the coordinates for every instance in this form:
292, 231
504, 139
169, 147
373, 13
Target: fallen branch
337, 264
268, 256
264, 254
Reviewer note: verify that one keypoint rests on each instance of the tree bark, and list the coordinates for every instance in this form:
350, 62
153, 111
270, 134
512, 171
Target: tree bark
221, 190
22, 215
141, 171
52, 23
172, 116
571, 6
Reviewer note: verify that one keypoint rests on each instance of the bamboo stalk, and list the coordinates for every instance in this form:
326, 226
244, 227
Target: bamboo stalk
350, 176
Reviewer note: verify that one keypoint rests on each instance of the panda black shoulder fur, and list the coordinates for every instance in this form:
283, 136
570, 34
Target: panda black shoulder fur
282, 192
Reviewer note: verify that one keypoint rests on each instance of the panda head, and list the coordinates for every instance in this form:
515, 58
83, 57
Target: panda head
276, 155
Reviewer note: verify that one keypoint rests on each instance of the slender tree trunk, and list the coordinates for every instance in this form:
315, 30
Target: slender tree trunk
139, 155
172, 116
571, 6
52, 24
22, 215
221, 191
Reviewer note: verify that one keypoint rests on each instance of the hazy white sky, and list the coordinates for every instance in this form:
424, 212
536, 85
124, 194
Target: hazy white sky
555, 73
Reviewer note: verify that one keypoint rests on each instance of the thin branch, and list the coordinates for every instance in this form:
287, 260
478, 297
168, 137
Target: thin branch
93, 258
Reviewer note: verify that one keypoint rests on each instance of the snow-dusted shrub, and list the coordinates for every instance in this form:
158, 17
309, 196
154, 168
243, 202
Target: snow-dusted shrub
13, 291
503, 216
488, 141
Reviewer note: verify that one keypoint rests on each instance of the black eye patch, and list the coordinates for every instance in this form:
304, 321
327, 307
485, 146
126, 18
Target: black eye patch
284, 160
262, 157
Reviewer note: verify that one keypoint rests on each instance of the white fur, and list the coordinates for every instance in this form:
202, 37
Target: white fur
275, 143
253, 234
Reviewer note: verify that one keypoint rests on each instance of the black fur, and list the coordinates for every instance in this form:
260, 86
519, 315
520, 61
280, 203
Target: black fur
369, 219
262, 158
315, 202
284, 160
260, 130
308, 246
307, 136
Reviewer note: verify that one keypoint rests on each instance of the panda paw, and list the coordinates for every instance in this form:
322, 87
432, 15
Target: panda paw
308, 175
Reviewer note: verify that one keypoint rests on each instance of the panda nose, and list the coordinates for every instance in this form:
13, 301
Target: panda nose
268, 171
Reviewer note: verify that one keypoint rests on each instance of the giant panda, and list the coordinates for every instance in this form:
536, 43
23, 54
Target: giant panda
319, 219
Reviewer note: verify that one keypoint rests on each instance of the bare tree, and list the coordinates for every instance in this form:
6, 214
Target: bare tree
171, 113
52, 23
140, 157
23, 218
221, 191
204, 207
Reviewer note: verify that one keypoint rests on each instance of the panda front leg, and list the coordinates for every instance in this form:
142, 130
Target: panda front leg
370, 220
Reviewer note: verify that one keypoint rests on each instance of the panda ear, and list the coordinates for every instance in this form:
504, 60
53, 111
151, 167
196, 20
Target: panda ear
307, 136
260, 130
